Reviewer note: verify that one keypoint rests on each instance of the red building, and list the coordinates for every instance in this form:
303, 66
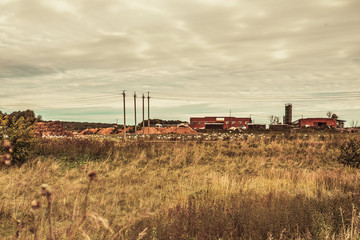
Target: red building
316, 122
218, 122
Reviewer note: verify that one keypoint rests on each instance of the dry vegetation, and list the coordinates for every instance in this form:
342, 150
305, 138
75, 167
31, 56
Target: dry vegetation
260, 187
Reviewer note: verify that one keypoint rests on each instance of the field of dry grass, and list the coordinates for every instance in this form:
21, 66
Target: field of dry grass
257, 187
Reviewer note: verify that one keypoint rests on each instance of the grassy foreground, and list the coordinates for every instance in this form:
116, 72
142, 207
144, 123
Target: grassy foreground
262, 187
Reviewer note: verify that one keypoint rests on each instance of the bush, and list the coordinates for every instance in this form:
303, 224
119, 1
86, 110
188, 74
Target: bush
19, 131
350, 153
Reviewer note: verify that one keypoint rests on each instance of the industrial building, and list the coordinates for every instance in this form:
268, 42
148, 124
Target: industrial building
218, 122
223, 123
316, 122
319, 122
288, 114
311, 122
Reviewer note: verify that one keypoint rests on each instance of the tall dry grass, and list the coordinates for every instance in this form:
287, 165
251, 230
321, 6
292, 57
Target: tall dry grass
262, 187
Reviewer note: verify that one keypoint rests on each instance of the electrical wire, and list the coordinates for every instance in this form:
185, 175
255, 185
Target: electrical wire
115, 96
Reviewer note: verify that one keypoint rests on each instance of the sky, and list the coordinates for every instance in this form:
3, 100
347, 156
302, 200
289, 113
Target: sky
71, 59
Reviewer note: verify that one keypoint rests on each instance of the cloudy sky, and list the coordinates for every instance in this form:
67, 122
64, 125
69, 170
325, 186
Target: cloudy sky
71, 59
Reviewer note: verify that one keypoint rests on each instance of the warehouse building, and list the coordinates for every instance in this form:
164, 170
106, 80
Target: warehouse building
332, 122
319, 122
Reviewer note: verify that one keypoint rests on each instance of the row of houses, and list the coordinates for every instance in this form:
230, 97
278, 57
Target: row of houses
224, 123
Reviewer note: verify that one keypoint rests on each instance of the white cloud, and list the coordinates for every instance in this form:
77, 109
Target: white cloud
251, 56
334, 3
6, 1
280, 54
60, 6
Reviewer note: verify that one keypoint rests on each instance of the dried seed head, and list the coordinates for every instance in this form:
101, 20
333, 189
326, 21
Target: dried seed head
6, 159
7, 163
35, 204
7, 144
45, 190
8, 147
92, 175
19, 224
6, 156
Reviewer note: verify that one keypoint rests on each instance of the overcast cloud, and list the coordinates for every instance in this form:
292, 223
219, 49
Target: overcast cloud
70, 59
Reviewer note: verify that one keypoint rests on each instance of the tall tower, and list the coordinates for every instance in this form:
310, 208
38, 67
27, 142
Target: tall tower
288, 113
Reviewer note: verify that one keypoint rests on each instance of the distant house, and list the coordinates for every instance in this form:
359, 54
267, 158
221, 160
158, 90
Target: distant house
218, 122
319, 122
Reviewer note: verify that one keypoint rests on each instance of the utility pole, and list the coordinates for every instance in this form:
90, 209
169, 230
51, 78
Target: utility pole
135, 112
143, 114
123, 93
230, 117
148, 98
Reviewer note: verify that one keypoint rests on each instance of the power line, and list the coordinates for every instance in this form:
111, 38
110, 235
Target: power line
113, 96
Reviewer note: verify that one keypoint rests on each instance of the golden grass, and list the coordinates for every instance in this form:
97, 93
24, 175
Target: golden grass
258, 188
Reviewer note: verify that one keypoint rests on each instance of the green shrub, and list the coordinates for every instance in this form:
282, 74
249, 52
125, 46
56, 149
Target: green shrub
350, 153
19, 131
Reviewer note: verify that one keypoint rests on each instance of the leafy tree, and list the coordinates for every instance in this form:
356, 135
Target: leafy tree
80, 126
334, 116
17, 127
274, 119
354, 123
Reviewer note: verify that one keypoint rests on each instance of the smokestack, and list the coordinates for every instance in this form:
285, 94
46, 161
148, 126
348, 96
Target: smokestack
288, 113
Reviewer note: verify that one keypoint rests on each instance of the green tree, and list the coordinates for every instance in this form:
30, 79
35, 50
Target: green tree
18, 129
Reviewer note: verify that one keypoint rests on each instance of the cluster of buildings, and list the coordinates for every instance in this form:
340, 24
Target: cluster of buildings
219, 122
199, 123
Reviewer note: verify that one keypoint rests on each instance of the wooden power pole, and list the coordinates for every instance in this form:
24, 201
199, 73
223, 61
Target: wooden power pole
143, 114
148, 98
135, 112
230, 117
123, 93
